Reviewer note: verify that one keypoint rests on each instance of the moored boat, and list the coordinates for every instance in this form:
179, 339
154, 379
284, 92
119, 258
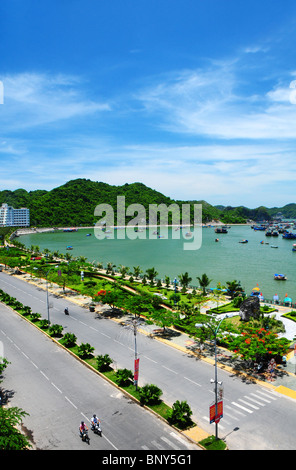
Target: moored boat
280, 277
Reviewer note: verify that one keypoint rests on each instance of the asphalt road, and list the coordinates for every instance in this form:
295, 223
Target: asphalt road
254, 417
58, 392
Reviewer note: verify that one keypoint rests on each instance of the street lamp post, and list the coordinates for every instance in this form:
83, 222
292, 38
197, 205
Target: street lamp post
215, 332
47, 303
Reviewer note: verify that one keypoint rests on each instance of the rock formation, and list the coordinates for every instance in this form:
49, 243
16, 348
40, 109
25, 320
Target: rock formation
250, 308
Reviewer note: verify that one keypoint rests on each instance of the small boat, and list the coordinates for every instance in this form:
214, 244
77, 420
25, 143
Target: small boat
69, 248
188, 234
88, 234
273, 246
243, 241
280, 277
221, 230
294, 247
289, 235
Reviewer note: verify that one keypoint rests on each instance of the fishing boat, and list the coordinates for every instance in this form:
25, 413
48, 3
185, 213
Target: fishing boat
280, 277
243, 241
289, 235
221, 230
69, 248
294, 247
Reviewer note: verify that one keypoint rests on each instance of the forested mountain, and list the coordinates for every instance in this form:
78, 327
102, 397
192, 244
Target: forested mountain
73, 203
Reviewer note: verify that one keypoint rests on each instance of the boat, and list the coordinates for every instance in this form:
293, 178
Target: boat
273, 246
221, 230
88, 234
256, 227
280, 277
294, 247
70, 230
289, 235
69, 248
243, 241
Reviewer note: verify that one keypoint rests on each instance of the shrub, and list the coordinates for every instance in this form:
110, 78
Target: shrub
55, 330
69, 340
123, 376
85, 350
180, 414
35, 316
103, 362
150, 394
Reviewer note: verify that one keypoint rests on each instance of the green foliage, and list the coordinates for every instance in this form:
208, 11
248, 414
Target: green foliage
150, 394
180, 414
104, 362
85, 350
69, 340
55, 330
123, 376
10, 437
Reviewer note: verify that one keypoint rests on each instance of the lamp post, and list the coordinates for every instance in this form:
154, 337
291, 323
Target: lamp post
215, 332
47, 303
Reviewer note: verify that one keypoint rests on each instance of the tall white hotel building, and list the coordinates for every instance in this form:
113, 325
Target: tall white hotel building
10, 217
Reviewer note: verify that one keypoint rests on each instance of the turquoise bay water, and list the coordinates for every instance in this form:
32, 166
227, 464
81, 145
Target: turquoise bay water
251, 263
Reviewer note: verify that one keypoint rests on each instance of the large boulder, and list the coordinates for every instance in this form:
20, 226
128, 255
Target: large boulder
250, 308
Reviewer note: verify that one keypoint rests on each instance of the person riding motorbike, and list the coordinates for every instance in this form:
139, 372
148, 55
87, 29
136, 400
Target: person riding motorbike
66, 311
95, 421
82, 428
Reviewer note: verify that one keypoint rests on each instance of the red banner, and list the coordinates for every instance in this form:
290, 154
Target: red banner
136, 375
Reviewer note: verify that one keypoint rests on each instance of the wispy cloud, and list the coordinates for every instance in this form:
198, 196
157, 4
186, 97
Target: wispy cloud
212, 102
33, 99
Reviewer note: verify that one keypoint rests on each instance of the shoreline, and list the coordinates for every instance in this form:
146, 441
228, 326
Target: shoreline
28, 231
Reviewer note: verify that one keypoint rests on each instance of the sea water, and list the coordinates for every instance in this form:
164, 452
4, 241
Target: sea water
253, 263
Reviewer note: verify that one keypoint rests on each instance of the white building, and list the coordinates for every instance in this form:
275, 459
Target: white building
10, 217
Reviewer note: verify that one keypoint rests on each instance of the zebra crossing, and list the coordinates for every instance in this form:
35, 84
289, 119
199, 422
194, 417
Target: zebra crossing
173, 441
245, 405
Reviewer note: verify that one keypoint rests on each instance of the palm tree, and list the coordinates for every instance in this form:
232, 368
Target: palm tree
185, 279
234, 288
204, 281
137, 271
151, 274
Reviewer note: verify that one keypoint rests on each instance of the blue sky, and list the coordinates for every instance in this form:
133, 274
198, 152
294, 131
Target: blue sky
194, 98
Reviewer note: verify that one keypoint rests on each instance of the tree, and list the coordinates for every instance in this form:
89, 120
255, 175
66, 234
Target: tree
180, 414
185, 279
150, 394
204, 281
123, 376
234, 288
103, 362
151, 274
258, 345
10, 437
85, 350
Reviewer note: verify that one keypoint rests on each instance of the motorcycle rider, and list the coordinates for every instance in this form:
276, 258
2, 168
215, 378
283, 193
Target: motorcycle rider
82, 428
66, 311
95, 421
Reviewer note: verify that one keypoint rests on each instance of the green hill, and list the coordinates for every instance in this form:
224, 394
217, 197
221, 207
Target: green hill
73, 204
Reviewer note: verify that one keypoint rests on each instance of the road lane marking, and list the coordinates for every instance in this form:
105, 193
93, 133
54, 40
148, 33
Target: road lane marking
174, 372
195, 383
57, 388
71, 403
44, 375
149, 359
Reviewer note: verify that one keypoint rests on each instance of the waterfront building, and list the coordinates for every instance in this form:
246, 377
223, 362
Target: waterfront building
10, 217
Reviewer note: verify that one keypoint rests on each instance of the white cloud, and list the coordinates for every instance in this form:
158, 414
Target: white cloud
32, 99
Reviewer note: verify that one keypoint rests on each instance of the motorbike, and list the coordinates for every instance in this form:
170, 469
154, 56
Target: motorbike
96, 428
84, 436
66, 311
